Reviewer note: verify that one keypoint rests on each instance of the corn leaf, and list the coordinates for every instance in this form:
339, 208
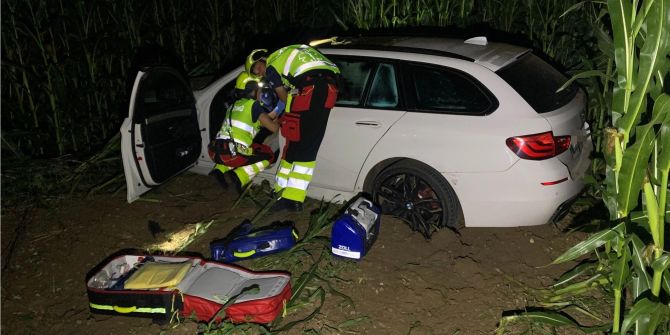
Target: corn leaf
334, 291
641, 17
619, 11
581, 75
352, 322
635, 161
575, 7
592, 281
656, 88
661, 264
638, 285
302, 282
620, 270
664, 157
638, 217
647, 314
581, 269
665, 281
605, 43
652, 55
637, 256
593, 242
318, 293
551, 318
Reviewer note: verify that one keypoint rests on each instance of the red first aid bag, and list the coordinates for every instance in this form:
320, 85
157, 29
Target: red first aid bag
164, 287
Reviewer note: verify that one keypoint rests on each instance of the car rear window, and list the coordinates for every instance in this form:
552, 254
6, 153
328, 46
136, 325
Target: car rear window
444, 90
537, 82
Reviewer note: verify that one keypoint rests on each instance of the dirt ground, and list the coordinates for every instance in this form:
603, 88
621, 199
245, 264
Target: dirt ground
450, 285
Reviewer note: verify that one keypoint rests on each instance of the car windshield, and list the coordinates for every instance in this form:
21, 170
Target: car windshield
537, 82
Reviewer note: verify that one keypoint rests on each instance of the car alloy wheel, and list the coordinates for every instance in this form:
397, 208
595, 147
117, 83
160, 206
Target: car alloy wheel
418, 195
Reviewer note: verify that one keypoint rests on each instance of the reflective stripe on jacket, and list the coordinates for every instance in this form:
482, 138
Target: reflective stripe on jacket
241, 126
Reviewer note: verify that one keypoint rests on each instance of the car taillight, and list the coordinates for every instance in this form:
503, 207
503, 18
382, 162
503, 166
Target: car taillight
538, 146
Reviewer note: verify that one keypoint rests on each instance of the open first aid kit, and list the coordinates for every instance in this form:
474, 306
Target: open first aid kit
162, 287
356, 230
246, 243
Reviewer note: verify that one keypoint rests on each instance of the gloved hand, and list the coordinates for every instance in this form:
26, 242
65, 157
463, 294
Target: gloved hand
279, 109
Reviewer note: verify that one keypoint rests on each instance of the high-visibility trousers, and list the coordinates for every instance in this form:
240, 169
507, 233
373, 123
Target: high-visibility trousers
292, 179
245, 173
261, 158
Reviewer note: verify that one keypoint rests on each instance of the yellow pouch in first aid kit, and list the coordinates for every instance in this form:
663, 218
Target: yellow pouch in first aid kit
157, 275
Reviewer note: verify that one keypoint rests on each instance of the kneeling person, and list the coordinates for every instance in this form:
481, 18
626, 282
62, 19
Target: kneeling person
238, 159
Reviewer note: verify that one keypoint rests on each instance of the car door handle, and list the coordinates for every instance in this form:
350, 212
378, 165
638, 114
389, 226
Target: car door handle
373, 124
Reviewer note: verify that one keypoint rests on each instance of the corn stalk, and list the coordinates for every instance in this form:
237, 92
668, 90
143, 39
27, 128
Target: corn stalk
636, 147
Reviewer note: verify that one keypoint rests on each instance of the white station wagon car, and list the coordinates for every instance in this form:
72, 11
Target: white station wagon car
440, 132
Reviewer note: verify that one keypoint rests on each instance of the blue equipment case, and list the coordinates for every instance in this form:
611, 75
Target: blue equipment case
356, 230
245, 243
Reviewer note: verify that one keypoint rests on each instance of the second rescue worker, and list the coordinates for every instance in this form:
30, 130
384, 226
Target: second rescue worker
306, 83
237, 156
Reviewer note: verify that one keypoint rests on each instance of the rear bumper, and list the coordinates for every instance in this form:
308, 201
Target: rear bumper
515, 197
563, 209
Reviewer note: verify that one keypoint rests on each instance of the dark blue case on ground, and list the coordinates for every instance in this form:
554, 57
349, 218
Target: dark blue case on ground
355, 232
245, 243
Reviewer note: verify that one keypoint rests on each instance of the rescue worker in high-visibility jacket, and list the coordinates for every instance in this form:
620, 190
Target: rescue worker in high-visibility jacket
306, 83
238, 159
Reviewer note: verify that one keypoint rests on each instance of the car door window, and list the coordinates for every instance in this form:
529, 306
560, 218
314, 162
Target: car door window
163, 90
354, 76
384, 89
444, 90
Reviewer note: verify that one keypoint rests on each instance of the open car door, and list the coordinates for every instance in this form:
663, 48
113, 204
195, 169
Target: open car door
160, 137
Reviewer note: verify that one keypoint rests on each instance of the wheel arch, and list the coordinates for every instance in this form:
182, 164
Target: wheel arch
376, 169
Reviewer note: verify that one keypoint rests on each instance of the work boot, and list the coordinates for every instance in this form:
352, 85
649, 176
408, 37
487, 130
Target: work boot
288, 205
220, 178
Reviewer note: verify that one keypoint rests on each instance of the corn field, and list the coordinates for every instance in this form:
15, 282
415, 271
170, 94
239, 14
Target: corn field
65, 63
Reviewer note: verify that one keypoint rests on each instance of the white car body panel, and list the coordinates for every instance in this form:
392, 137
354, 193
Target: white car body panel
573, 124
134, 185
514, 197
349, 139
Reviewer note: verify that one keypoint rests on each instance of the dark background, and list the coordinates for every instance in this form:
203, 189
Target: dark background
65, 64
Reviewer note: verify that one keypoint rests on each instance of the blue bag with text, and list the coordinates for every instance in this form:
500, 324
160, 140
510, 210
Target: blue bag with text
356, 230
